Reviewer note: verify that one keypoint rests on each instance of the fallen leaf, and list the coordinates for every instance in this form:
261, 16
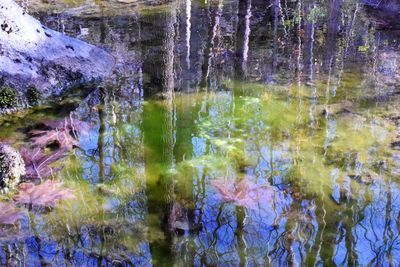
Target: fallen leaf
9, 214
37, 162
61, 138
243, 193
70, 124
46, 194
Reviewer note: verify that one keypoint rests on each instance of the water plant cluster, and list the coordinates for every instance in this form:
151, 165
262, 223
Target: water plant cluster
8, 97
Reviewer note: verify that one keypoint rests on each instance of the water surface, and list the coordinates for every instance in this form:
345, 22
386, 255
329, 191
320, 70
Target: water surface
293, 105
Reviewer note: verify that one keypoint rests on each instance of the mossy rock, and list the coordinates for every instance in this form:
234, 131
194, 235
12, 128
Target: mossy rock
8, 97
12, 167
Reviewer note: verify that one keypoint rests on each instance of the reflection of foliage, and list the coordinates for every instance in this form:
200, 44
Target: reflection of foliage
46, 194
317, 13
316, 146
103, 222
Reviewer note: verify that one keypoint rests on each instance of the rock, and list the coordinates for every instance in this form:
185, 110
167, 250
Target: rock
384, 5
384, 13
395, 145
12, 167
33, 56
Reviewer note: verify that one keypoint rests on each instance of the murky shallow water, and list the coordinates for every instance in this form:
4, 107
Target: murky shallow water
234, 134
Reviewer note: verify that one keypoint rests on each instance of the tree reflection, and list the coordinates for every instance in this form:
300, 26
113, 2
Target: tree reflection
261, 77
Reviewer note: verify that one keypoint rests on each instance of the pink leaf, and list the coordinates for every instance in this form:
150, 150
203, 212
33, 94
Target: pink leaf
9, 214
37, 162
243, 193
46, 194
70, 124
61, 138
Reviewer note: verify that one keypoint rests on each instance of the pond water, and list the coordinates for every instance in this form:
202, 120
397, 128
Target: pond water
233, 133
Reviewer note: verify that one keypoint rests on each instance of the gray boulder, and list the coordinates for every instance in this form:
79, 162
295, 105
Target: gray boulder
37, 61
12, 167
392, 6
384, 13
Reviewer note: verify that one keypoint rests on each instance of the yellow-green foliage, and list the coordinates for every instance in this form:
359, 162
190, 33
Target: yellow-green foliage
237, 123
100, 207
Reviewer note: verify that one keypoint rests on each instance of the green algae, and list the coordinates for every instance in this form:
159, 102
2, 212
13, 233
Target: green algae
163, 150
236, 127
316, 153
322, 144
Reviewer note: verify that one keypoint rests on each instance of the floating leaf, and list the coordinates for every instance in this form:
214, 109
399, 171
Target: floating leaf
243, 193
37, 162
62, 138
46, 194
9, 214
62, 133
70, 124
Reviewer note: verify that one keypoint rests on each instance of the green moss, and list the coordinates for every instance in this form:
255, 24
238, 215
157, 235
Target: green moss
8, 97
33, 95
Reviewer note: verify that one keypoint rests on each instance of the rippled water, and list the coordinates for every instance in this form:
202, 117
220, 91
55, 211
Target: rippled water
234, 133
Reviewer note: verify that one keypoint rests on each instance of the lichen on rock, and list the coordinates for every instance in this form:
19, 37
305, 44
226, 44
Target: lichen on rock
12, 167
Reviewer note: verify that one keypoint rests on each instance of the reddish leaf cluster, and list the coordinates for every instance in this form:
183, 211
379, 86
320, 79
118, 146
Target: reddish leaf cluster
61, 138
9, 214
243, 193
61, 135
69, 124
37, 162
46, 194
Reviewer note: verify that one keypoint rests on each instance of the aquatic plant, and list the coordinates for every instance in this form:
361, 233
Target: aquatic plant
215, 166
33, 95
8, 97
46, 194
100, 219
